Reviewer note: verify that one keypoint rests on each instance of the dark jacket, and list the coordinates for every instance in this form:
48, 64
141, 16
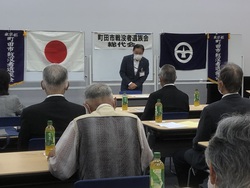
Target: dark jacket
172, 99
210, 116
34, 118
127, 72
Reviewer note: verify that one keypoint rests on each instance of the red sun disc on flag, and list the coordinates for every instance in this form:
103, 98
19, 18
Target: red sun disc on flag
55, 51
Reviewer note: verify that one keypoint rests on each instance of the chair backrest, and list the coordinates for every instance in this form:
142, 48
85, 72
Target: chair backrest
175, 115
38, 144
108, 147
10, 121
7, 125
119, 182
131, 92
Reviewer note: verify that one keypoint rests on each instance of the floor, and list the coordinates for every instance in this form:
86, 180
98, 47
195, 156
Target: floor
171, 179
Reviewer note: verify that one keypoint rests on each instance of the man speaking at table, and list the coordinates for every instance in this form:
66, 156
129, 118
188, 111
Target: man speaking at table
134, 69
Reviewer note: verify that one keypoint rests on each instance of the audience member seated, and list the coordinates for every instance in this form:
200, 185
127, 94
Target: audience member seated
173, 100
105, 143
55, 107
228, 153
10, 104
229, 83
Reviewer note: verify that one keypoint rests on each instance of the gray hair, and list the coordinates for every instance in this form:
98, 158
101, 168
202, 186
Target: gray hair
98, 91
231, 75
229, 151
167, 73
55, 75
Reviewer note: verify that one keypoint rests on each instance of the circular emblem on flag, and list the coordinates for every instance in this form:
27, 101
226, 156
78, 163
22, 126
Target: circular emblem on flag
55, 51
183, 52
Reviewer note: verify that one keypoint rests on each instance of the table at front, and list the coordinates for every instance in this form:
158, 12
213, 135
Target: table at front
138, 110
133, 100
169, 140
27, 169
204, 144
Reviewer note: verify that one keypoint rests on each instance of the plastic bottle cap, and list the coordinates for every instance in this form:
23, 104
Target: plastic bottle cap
157, 155
158, 100
49, 122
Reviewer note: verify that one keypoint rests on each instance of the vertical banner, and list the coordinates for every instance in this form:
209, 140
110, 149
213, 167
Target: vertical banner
64, 48
217, 54
183, 51
12, 54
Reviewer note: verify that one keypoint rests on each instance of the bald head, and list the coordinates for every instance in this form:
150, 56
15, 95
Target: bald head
97, 94
55, 79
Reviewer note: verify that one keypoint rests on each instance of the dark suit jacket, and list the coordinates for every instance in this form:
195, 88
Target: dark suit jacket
127, 72
34, 118
209, 119
173, 100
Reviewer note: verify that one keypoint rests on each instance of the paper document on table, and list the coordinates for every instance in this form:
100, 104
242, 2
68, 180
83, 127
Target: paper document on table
189, 124
139, 109
171, 125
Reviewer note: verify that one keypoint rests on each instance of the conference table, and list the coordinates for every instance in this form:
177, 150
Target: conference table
171, 135
133, 100
204, 144
28, 169
194, 111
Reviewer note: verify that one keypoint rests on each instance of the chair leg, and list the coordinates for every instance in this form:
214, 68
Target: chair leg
170, 166
189, 175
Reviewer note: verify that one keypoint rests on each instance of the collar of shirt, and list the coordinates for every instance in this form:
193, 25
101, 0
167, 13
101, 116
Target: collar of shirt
103, 105
230, 94
168, 85
55, 95
104, 110
136, 65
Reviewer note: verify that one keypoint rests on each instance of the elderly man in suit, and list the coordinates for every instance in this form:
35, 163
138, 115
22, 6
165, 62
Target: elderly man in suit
228, 151
173, 100
229, 84
134, 69
55, 107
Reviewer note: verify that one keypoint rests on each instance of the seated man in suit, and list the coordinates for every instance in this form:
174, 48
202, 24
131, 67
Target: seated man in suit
134, 69
228, 152
105, 143
55, 107
173, 100
229, 83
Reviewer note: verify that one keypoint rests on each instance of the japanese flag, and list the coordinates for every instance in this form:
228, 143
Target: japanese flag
65, 48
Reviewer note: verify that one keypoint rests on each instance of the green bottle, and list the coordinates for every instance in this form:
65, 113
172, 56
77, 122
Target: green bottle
196, 97
158, 111
157, 176
124, 101
49, 137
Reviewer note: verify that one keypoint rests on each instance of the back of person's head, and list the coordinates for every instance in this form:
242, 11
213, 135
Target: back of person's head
167, 74
97, 94
55, 79
228, 153
4, 82
231, 75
